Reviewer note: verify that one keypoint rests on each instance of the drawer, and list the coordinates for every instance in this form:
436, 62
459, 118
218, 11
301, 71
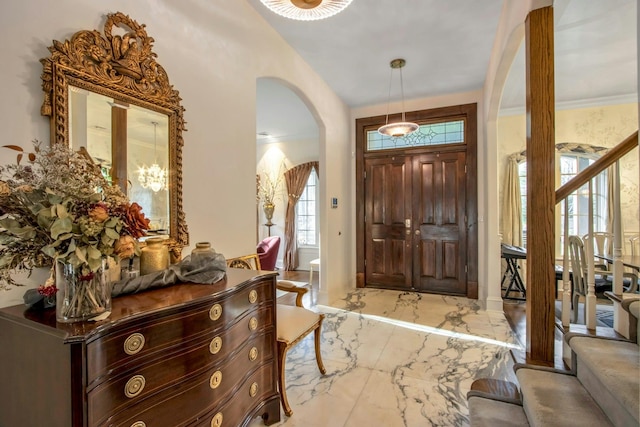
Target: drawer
116, 351
256, 389
239, 345
191, 399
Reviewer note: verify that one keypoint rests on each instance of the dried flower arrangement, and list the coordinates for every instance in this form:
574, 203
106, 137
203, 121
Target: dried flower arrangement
268, 188
57, 206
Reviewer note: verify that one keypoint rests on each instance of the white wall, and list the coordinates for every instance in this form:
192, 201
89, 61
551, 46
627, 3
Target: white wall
213, 52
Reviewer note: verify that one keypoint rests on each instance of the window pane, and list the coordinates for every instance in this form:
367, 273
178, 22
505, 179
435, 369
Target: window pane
427, 134
306, 214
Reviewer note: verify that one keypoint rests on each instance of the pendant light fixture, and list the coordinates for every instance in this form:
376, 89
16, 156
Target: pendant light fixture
306, 10
153, 177
402, 128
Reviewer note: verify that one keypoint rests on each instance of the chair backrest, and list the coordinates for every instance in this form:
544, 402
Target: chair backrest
247, 262
578, 265
635, 245
602, 243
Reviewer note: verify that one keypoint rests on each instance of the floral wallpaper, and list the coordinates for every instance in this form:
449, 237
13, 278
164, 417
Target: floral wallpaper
604, 126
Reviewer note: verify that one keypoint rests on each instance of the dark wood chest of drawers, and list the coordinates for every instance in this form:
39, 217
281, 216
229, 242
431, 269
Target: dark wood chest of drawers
185, 355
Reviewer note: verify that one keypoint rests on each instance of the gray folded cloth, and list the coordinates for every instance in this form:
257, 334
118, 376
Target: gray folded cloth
204, 269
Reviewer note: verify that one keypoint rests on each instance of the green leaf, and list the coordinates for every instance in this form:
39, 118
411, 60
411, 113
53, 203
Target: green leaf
111, 233
93, 253
53, 198
49, 251
95, 264
81, 254
111, 222
61, 226
61, 211
14, 227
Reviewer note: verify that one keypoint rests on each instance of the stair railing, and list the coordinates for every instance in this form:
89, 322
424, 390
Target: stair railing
586, 176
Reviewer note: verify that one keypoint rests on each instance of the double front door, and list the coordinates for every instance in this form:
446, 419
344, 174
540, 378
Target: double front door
415, 222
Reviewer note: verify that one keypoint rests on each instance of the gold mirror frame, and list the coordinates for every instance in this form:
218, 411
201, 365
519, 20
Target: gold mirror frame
124, 68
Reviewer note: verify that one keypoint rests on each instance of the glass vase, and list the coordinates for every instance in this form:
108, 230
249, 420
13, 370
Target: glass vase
81, 295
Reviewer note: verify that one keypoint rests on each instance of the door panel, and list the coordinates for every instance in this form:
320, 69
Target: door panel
427, 252
439, 217
388, 263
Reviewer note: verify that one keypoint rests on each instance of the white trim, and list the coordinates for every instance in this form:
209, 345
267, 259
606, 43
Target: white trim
577, 104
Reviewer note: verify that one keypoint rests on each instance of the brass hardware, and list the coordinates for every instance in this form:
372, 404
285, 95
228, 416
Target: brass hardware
417, 232
134, 386
139, 424
215, 379
253, 390
253, 354
407, 223
216, 421
253, 324
215, 312
216, 345
134, 343
408, 231
253, 296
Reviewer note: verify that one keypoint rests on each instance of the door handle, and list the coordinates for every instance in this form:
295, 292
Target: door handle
417, 232
407, 223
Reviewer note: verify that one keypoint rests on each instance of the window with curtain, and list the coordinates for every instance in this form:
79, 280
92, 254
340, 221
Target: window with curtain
307, 213
570, 164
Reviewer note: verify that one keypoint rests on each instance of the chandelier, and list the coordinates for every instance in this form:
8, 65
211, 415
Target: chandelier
306, 10
403, 128
153, 177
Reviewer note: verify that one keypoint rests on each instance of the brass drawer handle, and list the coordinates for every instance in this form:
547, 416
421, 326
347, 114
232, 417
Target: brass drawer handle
253, 354
253, 296
134, 343
253, 390
139, 424
215, 380
216, 345
215, 312
253, 324
134, 386
216, 421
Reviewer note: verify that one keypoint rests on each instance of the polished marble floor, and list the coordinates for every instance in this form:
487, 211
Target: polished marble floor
396, 359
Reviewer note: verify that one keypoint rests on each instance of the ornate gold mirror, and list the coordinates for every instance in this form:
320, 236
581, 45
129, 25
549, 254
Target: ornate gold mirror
109, 95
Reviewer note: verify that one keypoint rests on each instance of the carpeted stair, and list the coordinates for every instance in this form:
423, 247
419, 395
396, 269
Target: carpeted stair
602, 389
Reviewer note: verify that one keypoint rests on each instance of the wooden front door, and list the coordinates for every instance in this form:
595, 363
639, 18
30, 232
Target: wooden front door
415, 222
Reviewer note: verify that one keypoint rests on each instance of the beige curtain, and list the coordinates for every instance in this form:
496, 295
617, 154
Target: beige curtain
512, 205
295, 179
611, 176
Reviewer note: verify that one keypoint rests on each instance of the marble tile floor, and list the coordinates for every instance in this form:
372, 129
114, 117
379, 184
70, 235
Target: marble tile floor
396, 359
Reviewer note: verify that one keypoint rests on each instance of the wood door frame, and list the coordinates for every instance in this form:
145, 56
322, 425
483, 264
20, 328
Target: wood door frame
468, 112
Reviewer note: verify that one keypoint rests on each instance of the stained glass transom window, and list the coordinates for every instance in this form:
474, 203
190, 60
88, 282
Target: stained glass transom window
429, 134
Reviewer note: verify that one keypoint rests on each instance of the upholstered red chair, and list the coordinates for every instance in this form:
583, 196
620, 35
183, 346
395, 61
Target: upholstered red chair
268, 252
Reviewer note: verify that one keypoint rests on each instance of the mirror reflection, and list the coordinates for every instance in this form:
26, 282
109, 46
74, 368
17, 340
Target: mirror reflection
131, 145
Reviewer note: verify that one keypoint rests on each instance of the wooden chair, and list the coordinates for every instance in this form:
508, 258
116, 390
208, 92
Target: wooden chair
293, 323
247, 262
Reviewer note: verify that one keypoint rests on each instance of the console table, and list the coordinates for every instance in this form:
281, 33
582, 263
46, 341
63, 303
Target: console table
202, 355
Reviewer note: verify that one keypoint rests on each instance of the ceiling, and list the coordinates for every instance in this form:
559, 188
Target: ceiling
447, 46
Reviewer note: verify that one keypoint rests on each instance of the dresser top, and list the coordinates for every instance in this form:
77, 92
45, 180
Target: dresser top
128, 308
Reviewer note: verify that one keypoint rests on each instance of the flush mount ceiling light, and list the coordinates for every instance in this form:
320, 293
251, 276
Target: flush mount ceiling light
306, 10
402, 128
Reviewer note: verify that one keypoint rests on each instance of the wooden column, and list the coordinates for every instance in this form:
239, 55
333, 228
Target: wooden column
540, 187
119, 144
